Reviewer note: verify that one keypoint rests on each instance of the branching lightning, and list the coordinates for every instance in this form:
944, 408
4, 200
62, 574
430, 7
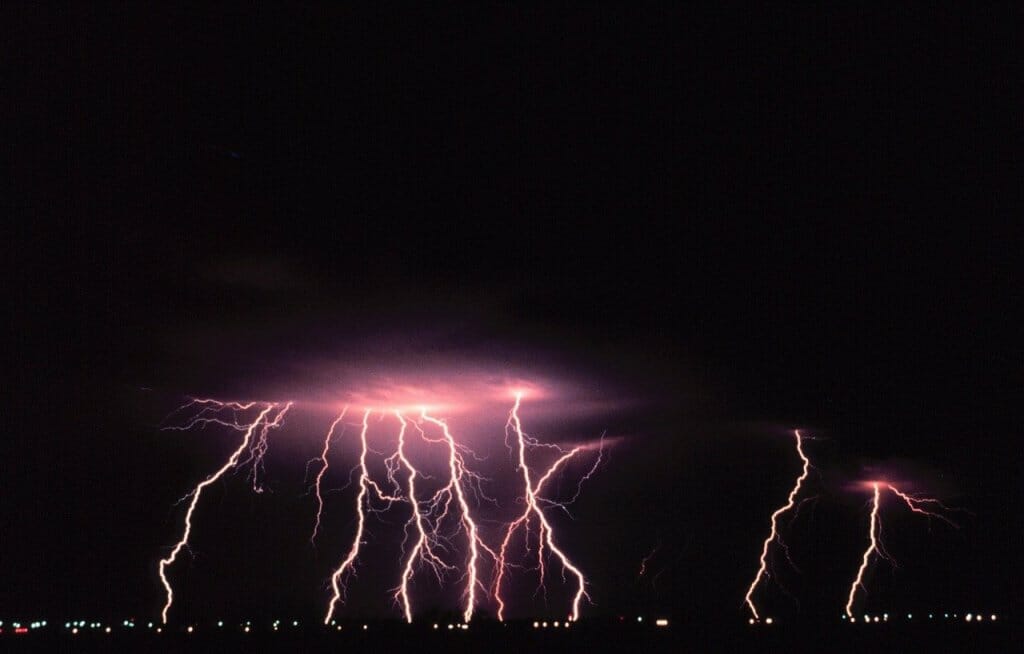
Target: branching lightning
915, 505
437, 520
532, 501
456, 485
773, 535
211, 413
423, 549
875, 545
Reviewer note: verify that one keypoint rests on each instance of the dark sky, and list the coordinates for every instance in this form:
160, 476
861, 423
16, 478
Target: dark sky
743, 221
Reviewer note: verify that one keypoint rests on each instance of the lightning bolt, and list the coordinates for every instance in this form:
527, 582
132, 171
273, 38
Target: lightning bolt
875, 532
873, 546
320, 475
424, 546
774, 533
365, 483
532, 501
455, 488
211, 413
915, 505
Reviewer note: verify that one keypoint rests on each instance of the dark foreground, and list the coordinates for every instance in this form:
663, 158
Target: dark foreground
523, 639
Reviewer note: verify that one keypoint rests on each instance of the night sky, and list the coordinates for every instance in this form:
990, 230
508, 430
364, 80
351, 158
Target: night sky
717, 225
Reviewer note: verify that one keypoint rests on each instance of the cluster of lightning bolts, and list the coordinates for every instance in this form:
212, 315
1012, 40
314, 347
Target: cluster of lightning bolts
435, 521
917, 504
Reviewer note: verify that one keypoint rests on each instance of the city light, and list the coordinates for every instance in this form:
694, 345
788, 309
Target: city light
661, 622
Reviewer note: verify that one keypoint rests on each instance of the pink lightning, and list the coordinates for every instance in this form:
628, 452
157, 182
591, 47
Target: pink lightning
210, 414
774, 533
532, 501
320, 475
364, 483
872, 547
427, 541
874, 532
457, 470
915, 505
423, 548
427, 515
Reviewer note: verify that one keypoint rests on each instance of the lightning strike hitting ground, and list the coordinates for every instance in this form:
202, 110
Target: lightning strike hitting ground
532, 506
337, 583
458, 471
875, 532
873, 546
211, 413
424, 546
774, 533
